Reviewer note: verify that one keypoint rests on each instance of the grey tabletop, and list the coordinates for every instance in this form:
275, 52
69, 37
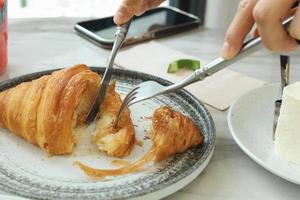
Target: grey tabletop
39, 44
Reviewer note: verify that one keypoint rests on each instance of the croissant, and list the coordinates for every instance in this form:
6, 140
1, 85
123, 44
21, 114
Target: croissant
46, 111
115, 141
172, 133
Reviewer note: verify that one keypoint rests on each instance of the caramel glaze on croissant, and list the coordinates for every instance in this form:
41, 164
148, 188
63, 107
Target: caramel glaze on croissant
172, 133
46, 111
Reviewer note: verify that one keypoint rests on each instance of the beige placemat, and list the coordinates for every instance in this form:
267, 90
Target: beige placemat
218, 91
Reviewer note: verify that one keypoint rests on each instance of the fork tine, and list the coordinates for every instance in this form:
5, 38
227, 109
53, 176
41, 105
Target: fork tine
130, 97
125, 104
130, 93
119, 114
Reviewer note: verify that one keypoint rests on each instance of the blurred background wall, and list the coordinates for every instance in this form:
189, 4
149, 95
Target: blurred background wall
219, 13
213, 13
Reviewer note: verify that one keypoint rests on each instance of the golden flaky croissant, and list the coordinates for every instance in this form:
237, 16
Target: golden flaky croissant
46, 111
172, 133
115, 141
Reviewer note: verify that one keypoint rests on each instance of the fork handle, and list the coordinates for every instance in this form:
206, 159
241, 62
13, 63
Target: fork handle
220, 63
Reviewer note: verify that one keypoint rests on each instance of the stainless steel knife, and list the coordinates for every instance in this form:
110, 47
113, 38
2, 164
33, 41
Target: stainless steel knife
284, 70
120, 36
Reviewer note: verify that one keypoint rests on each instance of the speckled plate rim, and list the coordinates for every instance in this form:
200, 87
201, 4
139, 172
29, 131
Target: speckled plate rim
244, 148
156, 192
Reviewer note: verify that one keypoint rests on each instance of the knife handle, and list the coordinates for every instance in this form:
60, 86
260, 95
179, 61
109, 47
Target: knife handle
122, 30
120, 37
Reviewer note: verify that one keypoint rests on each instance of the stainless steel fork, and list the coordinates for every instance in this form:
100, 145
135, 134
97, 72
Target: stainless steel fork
150, 89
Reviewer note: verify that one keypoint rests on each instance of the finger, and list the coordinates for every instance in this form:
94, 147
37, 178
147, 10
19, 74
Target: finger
238, 29
294, 28
290, 13
268, 15
126, 11
146, 5
130, 8
122, 16
154, 3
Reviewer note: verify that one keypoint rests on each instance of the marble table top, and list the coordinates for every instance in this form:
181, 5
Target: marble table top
39, 44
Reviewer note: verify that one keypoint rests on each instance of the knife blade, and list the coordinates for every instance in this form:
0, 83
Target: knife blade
120, 36
284, 70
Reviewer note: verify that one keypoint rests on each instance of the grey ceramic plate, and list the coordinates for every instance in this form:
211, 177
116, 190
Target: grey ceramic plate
27, 171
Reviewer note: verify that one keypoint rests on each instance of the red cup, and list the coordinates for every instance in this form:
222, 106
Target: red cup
3, 35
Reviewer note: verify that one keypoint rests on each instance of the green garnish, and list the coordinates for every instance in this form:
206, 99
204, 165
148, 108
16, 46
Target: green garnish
183, 64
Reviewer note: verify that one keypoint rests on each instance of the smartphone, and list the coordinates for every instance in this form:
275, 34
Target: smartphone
155, 23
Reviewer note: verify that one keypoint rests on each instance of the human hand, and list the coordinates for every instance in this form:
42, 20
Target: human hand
268, 16
130, 8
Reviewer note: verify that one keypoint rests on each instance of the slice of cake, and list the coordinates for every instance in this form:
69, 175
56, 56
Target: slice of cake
287, 136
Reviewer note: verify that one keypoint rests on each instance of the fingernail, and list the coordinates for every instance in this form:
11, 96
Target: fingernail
227, 51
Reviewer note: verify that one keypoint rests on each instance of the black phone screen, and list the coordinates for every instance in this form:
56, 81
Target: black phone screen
152, 20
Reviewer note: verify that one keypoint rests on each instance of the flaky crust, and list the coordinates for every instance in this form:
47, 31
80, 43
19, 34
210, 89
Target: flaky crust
172, 132
46, 110
115, 141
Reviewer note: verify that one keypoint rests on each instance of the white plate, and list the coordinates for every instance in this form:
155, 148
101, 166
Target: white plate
250, 121
26, 170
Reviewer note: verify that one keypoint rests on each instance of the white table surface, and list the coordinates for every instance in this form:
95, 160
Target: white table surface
39, 44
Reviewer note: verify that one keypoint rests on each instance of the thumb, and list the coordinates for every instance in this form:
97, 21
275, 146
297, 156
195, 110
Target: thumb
238, 29
123, 15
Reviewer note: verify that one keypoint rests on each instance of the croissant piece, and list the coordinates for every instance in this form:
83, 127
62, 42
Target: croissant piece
115, 141
47, 110
172, 133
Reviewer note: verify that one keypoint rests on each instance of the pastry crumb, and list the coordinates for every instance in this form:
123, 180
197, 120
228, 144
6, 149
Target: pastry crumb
140, 143
146, 137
